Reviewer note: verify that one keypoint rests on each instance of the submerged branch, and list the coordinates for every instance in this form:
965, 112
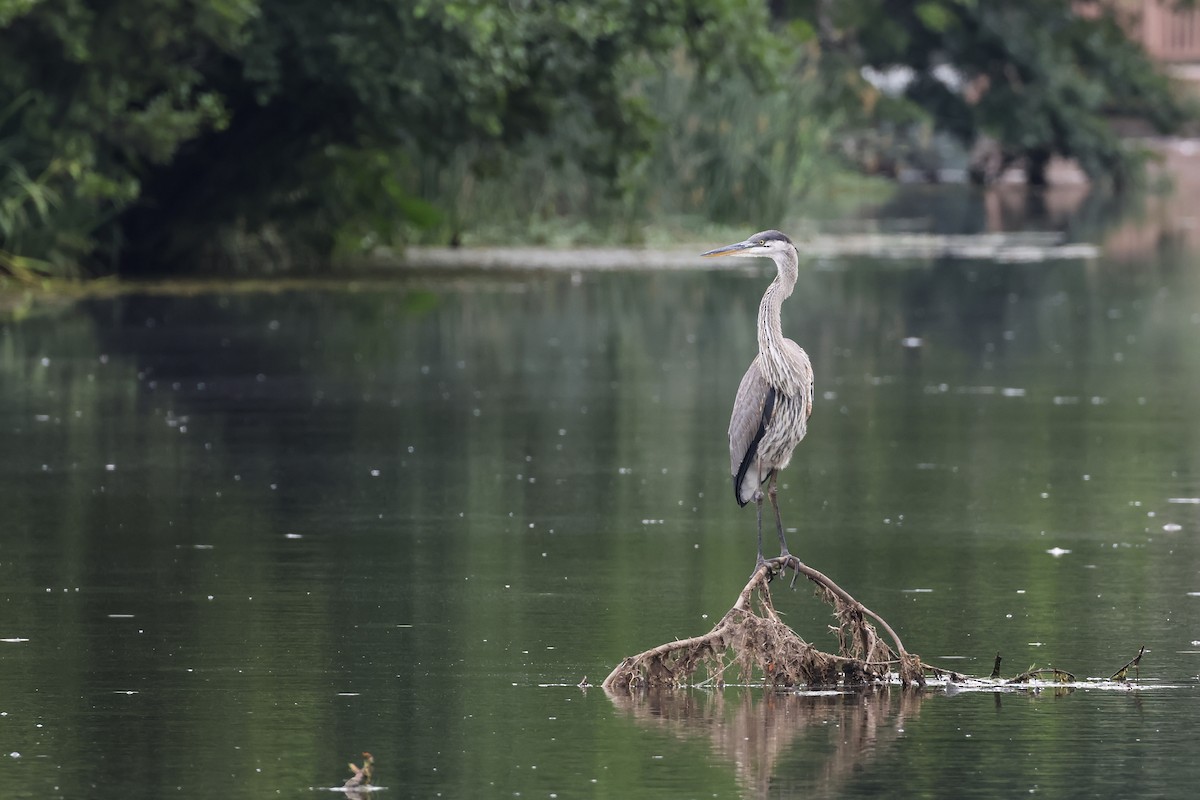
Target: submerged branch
1059, 675
1123, 673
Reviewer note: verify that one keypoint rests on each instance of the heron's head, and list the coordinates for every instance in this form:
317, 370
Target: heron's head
765, 244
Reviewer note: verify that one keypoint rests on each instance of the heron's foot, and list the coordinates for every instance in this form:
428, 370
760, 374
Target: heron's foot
784, 560
762, 562
795, 574
758, 564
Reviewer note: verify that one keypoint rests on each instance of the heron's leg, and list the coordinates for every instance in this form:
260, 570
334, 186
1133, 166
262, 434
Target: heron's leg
758, 498
773, 491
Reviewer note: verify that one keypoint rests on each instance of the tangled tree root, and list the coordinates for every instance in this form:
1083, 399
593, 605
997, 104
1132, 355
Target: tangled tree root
751, 639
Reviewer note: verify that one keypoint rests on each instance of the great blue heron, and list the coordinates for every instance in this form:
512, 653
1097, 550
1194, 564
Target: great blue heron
775, 397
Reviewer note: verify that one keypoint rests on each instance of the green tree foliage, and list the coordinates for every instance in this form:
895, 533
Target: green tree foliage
153, 128
158, 135
93, 99
1039, 78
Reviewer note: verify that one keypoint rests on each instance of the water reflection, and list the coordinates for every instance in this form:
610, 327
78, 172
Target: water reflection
755, 732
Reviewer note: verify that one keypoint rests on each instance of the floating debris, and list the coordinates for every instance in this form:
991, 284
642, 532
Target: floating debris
362, 775
1123, 673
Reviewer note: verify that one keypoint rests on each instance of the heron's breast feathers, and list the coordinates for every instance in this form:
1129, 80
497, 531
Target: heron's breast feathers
789, 370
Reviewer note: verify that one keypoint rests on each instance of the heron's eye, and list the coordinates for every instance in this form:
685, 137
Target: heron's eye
762, 242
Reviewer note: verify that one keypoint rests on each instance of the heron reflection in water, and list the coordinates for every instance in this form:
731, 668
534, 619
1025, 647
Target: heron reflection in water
775, 397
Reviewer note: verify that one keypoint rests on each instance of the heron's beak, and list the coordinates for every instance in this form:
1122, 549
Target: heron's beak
729, 250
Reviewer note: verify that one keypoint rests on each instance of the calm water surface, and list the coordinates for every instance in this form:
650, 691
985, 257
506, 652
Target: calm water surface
248, 535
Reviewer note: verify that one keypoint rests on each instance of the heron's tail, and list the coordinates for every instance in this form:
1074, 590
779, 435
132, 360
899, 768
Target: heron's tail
745, 485
737, 491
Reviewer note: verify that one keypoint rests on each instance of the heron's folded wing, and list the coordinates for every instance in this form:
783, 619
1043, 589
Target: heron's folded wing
748, 420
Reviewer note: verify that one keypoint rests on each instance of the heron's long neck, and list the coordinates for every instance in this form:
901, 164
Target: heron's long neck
770, 330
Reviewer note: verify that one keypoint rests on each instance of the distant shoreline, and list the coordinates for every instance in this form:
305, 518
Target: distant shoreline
1021, 247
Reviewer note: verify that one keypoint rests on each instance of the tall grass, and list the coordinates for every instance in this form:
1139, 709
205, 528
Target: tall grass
27, 204
36, 241
721, 155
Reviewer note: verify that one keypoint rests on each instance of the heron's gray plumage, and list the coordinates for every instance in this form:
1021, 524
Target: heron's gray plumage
747, 426
767, 424
775, 397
